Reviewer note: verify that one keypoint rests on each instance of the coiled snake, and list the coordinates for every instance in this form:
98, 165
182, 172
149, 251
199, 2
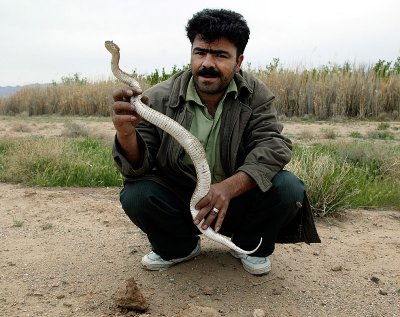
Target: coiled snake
190, 144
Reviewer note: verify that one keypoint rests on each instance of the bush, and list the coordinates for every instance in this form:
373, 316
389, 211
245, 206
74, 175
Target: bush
327, 179
345, 175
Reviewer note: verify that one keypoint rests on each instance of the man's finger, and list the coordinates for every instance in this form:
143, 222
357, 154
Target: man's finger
220, 219
124, 118
125, 93
121, 107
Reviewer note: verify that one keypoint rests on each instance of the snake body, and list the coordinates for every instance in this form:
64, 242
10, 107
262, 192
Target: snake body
189, 142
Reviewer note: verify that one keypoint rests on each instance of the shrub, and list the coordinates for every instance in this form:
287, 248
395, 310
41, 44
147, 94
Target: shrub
327, 180
345, 175
356, 135
329, 134
75, 130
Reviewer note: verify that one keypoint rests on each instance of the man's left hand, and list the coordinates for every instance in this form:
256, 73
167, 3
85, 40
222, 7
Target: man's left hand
213, 205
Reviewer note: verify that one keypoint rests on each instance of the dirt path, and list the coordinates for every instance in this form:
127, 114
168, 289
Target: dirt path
65, 252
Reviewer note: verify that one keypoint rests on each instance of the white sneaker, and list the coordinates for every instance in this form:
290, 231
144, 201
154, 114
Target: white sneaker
153, 262
253, 264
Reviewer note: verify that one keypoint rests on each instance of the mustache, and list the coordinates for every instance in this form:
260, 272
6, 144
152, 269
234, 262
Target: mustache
209, 72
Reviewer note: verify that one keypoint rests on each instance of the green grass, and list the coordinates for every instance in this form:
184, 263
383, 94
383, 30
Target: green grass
327, 179
18, 223
84, 162
343, 175
47, 226
383, 126
338, 175
356, 135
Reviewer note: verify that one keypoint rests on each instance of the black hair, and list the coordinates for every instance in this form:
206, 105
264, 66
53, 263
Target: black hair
213, 24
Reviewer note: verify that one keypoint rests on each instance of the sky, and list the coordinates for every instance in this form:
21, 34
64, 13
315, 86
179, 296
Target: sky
44, 40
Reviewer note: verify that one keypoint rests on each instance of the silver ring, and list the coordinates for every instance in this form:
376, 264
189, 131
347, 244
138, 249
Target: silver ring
215, 211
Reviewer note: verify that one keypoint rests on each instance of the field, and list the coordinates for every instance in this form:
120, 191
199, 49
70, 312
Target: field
65, 251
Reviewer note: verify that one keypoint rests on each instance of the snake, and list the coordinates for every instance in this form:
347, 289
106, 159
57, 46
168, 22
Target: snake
188, 141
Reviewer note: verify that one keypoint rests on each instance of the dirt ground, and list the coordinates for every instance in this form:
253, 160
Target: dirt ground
65, 252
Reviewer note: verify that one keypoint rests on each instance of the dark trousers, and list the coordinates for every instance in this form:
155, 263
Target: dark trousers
169, 225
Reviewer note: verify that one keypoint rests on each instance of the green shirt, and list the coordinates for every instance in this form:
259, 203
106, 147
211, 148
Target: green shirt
206, 128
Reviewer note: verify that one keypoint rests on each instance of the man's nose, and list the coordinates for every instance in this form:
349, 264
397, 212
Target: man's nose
208, 61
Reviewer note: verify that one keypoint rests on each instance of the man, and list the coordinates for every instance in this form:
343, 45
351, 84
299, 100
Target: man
231, 113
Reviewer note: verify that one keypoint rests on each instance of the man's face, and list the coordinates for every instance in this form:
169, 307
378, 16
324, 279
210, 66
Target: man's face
214, 65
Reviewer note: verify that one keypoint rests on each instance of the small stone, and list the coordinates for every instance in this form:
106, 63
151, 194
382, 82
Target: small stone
316, 253
337, 268
208, 290
382, 292
66, 304
375, 279
259, 313
132, 250
276, 292
60, 296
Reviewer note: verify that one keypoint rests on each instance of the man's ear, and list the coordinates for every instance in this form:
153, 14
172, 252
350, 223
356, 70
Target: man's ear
239, 61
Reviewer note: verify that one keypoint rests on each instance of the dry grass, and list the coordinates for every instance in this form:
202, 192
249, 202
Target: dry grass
358, 93
319, 94
75, 130
62, 99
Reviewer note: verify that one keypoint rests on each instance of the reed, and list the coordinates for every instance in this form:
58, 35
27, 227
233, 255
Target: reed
323, 94
326, 92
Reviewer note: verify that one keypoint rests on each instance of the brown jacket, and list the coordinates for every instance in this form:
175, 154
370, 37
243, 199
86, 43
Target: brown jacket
251, 139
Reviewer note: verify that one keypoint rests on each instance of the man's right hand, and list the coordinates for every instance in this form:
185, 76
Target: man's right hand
125, 118
125, 121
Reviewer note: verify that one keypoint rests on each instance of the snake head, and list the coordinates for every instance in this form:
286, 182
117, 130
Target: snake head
111, 47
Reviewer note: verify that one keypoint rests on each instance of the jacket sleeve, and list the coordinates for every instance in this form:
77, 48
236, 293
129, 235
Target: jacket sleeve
148, 144
268, 151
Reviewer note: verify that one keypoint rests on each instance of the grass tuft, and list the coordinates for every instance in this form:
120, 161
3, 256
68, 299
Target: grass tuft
46, 226
343, 175
356, 135
58, 162
75, 130
327, 180
18, 223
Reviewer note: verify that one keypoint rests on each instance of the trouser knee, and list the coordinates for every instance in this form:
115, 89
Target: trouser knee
269, 212
288, 190
165, 219
136, 201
